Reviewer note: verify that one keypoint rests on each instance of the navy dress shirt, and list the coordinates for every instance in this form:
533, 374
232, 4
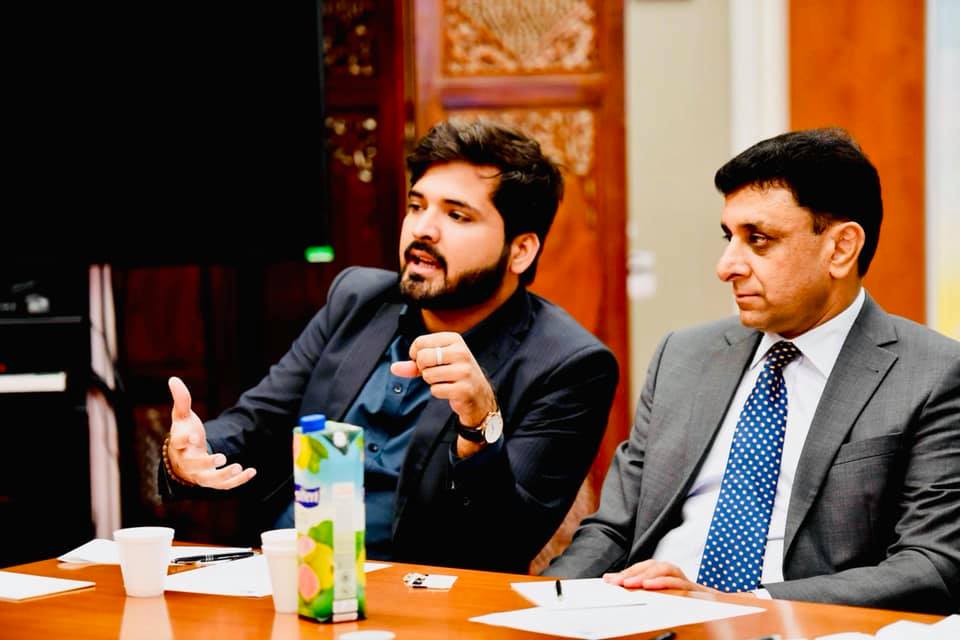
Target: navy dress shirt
387, 409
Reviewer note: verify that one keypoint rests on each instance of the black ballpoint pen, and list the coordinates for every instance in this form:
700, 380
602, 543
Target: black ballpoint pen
214, 557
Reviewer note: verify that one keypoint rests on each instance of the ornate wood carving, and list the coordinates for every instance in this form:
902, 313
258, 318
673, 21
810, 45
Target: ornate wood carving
353, 142
363, 228
567, 136
485, 37
348, 32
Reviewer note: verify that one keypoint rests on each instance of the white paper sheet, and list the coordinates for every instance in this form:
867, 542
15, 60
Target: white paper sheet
905, 630
950, 624
592, 609
20, 586
430, 581
100, 551
577, 594
946, 629
246, 577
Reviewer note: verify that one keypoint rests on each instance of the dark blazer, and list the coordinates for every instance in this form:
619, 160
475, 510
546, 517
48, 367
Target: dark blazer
554, 384
874, 516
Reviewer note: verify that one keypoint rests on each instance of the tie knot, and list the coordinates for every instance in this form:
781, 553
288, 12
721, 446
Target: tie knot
781, 354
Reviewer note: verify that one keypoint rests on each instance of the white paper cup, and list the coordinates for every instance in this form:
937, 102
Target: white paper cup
144, 556
282, 563
280, 537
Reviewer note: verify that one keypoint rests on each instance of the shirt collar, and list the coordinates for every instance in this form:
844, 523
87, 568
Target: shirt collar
821, 345
498, 322
410, 323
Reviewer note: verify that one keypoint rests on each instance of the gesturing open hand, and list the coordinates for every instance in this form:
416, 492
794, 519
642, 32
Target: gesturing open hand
188, 454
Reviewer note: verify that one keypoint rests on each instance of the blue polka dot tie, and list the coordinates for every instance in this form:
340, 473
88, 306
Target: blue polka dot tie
733, 555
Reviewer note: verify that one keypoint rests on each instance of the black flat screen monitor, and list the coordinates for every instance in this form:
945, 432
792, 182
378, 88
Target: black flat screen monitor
168, 133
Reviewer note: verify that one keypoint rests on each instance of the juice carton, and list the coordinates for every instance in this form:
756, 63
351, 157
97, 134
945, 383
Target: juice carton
330, 521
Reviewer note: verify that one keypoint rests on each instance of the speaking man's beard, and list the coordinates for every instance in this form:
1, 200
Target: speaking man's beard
470, 289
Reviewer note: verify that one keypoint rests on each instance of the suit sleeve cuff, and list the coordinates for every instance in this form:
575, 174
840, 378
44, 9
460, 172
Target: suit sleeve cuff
478, 461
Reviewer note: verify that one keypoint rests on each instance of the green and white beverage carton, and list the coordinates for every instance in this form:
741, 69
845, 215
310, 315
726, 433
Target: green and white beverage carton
330, 521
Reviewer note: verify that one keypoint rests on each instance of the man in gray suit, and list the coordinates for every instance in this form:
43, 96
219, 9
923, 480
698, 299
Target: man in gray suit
810, 451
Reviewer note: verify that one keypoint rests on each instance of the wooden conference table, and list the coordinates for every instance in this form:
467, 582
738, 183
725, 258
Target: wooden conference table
105, 612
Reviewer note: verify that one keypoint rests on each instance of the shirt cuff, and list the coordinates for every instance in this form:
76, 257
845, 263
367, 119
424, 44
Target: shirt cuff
476, 461
763, 594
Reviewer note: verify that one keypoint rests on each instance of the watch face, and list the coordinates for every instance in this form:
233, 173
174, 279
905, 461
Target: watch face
493, 427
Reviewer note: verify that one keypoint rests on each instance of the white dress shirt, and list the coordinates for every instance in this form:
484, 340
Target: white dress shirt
805, 378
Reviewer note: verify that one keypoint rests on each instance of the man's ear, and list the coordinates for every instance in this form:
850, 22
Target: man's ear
523, 251
848, 239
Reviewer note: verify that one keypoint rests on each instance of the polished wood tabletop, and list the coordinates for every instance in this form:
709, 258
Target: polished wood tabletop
104, 611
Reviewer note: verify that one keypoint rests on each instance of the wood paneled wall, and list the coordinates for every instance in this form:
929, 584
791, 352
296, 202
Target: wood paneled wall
859, 64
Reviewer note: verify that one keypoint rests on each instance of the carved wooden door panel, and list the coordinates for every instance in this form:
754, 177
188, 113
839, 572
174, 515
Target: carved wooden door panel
553, 68
364, 93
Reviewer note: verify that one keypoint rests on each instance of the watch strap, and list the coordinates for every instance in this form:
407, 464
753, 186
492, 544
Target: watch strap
473, 434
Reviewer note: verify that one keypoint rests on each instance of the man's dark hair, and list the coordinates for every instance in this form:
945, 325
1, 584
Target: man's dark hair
826, 171
529, 188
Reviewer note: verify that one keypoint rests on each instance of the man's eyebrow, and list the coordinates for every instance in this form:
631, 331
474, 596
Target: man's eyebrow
763, 227
451, 202
460, 204
750, 227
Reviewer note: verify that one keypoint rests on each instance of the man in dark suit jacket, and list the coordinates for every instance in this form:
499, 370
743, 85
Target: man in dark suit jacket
865, 473
483, 405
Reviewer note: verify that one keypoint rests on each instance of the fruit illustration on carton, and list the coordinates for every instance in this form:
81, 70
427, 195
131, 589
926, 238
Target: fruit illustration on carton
329, 516
307, 453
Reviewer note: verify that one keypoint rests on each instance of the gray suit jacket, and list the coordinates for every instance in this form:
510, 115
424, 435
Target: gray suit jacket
874, 516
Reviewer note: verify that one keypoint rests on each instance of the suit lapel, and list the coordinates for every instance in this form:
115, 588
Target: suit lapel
861, 366
437, 414
712, 386
721, 373
720, 377
355, 369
